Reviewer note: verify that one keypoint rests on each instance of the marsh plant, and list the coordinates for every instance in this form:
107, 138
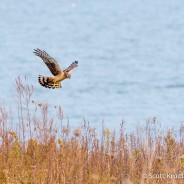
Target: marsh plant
44, 148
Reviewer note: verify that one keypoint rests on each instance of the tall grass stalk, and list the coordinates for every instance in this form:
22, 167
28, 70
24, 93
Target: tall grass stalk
45, 149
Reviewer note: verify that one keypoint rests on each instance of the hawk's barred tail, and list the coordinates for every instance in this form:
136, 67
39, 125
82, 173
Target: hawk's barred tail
45, 82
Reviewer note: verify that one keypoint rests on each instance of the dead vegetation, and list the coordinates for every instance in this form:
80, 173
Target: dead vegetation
44, 149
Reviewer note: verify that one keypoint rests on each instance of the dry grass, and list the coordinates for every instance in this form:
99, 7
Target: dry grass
38, 151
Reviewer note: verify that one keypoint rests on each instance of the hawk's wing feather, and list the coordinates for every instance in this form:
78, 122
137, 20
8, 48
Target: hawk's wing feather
71, 67
51, 63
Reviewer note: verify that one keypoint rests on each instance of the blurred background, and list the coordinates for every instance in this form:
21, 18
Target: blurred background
130, 53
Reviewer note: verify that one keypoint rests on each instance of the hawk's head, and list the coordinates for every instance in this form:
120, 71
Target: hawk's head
67, 75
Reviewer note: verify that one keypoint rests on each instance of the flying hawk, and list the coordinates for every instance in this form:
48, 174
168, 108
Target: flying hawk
59, 74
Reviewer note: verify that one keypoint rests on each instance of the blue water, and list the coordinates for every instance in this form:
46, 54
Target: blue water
130, 53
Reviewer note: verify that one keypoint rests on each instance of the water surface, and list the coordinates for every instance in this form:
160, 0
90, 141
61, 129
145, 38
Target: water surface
130, 53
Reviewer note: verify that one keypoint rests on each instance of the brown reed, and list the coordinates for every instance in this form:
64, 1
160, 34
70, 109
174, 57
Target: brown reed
40, 151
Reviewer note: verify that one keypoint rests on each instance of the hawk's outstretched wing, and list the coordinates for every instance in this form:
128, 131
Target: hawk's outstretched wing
72, 66
51, 63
